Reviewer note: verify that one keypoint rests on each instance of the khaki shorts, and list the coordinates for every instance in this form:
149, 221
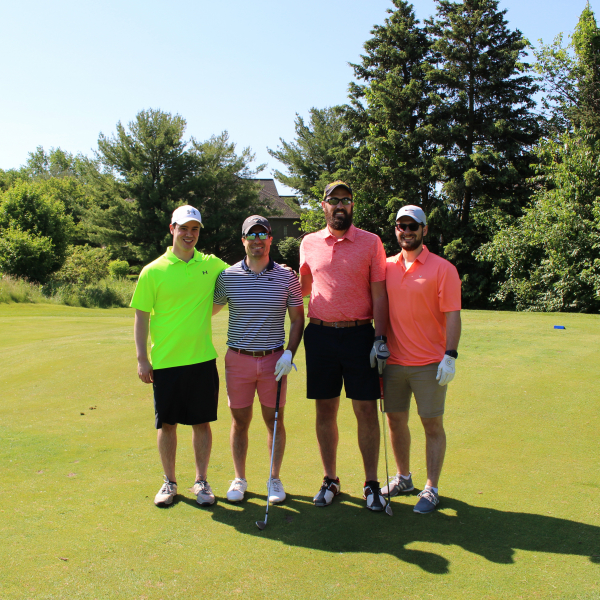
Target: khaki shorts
400, 383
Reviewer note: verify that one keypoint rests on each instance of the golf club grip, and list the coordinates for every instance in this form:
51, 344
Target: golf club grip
278, 396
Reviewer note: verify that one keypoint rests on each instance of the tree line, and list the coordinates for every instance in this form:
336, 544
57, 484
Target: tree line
63, 215
443, 115
502, 155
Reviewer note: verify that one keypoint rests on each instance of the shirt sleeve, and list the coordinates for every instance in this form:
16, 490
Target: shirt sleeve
449, 288
304, 268
220, 295
144, 295
294, 292
378, 261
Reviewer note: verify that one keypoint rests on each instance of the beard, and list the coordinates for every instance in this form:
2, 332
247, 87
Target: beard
339, 221
410, 245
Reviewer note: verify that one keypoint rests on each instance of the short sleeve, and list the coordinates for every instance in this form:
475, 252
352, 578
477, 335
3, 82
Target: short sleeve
304, 268
449, 288
144, 295
294, 292
220, 295
378, 261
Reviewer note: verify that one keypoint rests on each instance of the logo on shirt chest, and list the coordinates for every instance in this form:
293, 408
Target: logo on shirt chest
204, 272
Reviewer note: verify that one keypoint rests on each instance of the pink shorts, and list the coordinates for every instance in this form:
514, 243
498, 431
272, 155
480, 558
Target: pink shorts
245, 375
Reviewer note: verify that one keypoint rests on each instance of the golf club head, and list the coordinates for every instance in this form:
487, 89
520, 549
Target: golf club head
261, 524
388, 510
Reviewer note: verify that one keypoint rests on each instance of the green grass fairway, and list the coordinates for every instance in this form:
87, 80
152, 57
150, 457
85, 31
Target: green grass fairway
520, 490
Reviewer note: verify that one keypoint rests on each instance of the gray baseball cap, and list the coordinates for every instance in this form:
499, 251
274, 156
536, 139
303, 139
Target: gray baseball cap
414, 212
250, 222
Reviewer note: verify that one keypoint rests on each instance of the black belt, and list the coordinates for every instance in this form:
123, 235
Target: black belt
256, 352
338, 324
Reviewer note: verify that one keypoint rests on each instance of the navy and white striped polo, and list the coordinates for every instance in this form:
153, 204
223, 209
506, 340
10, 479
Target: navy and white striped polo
257, 304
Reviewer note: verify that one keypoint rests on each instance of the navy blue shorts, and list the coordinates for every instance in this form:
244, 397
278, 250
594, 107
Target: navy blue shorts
336, 357
188, 395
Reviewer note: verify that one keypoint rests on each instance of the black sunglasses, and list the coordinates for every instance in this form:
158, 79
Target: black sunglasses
335, 201
261, 236
405, 226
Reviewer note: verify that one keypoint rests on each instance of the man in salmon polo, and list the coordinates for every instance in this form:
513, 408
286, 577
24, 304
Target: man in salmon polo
173, 301
424, 331
342, 268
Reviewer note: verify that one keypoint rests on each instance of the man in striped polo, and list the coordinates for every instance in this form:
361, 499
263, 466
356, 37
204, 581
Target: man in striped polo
259, 292
343, 269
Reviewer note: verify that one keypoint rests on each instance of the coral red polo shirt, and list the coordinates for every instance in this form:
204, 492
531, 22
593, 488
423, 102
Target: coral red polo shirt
418, 299
342, 270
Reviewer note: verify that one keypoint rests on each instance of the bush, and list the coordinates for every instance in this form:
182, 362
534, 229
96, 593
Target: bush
289, 248
36, 224
84, 266
118, 269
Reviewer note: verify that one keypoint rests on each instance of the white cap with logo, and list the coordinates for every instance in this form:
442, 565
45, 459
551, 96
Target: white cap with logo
414, 212
183, 214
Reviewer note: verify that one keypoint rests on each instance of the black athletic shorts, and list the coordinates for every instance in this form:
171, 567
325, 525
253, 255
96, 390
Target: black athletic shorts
336, 356
188, 395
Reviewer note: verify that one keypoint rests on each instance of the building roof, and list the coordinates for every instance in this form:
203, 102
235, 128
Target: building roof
269, 191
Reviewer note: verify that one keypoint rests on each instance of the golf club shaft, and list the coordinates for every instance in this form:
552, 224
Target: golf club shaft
383, 426
273, 446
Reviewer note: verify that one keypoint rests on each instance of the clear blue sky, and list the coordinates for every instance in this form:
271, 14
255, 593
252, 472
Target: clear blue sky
72, 69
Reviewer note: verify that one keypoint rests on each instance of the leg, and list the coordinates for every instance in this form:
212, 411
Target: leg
435, 448
368, 435
238, 438
202, 442
269, 418
400, 438
327, 434
167, 448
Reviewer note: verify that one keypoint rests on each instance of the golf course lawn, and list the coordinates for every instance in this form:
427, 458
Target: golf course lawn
520, 492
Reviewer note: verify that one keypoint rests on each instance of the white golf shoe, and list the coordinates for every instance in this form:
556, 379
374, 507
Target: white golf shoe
237, 489
277, 494
204, 493
166, 494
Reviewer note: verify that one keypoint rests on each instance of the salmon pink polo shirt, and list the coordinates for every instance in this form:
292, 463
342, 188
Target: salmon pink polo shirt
342, 270
418, 299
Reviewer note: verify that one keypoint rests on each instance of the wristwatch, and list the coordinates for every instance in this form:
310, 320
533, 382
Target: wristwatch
452, 353
381, 337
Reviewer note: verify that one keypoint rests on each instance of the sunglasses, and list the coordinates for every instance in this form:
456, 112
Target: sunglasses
405, 226
336, 201
260, 236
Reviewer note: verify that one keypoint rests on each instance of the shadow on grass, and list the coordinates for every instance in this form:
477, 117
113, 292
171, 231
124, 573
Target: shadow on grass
346, 526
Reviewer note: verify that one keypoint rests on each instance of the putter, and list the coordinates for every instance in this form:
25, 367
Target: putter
388, 508
262, 524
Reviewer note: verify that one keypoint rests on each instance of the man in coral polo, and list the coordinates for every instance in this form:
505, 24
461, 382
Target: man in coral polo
424, 331
343, 269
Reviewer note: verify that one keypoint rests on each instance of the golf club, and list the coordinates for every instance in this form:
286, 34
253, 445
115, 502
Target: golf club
388, 508
262, 524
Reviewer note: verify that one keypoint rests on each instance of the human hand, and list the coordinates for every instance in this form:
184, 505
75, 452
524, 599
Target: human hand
145, 372
284, 365
379, 355
446, 369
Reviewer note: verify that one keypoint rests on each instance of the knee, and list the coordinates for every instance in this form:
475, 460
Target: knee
326, 411
167, 429
240, 425
434, 428
365, 409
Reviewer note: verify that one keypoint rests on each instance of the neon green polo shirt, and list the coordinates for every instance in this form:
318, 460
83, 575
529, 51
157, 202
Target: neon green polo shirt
179, 298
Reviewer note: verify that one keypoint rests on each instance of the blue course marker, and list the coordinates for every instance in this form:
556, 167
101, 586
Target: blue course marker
559, 327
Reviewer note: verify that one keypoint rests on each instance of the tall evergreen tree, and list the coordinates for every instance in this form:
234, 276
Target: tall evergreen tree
484, 125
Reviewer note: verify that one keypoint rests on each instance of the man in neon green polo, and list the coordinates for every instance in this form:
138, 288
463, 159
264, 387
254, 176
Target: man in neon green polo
173, 301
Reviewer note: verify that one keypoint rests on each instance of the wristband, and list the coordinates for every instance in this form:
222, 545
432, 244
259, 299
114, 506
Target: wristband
452, 353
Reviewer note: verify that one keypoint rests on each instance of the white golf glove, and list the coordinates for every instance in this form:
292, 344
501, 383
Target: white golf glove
445, 372
284, 365
379, 355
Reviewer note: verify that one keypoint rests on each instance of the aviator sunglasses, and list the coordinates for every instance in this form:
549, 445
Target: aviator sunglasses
253, 236
405, 226
335, 201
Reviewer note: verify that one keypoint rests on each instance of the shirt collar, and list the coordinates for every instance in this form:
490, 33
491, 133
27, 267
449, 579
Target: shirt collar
269, 267
349, 235
173, 259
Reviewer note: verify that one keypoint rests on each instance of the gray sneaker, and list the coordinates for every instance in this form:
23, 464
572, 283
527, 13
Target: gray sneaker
204, 494
398, 485
428, 501
167, 492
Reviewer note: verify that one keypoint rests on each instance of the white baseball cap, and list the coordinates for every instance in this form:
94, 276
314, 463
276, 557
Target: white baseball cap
183, 214
414, 212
